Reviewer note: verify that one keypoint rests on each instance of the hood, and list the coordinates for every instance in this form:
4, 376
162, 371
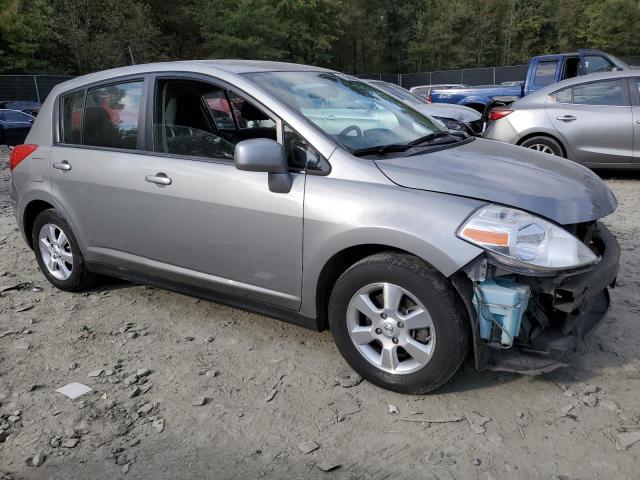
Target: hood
546, 185
457, 112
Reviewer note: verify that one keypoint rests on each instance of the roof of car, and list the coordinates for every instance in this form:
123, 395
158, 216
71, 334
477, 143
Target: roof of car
229, 66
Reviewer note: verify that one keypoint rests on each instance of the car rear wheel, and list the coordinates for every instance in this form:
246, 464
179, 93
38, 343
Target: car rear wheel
544, 145
398, 323
58, 254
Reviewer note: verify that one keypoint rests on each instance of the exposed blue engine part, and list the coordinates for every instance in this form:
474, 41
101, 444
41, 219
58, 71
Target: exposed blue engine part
500, 303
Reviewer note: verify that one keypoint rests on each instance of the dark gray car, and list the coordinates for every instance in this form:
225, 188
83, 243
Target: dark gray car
594, 120
307, 195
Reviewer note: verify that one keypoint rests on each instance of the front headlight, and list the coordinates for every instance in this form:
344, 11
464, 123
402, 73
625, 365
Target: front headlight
520, 239
452, 124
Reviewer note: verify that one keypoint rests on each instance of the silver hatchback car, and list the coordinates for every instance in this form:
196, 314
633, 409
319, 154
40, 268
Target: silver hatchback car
307, 195
594, 120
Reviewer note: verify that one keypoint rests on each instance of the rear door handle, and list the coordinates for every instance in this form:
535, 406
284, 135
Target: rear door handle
159, 179
567, 118
331, 117
64, 165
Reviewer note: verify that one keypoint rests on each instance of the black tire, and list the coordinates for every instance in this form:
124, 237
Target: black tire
81, 278
545, 141
433, 291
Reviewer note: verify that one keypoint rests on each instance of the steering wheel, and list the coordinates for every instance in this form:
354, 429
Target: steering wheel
355, 128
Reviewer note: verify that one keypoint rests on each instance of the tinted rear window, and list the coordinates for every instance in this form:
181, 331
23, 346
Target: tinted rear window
111, 116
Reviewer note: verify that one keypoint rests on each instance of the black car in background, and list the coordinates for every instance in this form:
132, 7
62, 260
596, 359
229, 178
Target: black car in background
14, 126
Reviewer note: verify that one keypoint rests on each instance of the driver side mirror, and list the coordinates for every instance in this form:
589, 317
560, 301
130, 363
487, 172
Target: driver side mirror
265, 155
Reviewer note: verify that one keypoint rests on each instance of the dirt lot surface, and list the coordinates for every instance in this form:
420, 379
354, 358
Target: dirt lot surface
269, 387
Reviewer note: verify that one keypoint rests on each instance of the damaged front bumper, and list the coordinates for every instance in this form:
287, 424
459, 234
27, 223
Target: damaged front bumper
562, 310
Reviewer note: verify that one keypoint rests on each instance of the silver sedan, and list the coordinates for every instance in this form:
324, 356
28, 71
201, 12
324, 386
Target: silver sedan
594, 120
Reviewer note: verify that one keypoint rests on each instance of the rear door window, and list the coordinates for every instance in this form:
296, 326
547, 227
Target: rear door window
545, 73
112, 115
72, 115
599, 93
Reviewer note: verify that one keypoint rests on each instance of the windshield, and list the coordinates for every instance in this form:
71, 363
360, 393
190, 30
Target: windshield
399, 92
352, 112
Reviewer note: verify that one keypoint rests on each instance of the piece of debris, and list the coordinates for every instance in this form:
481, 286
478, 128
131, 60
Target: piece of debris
569, 393
36, 289
589, 400
211, 373
393, 409
519, 414
74, 390
477, 422
34, 387
626, 439
270, 396
146, 408
24, 309
477, 462
158, 425
132, 334
432, 420
348, 378
199, 401
130, 380
125, 468
38, 459
326, 466
308, 446
10, 332
19, 345
135, 392
69, 442
94, 373
143, 372
210, 339
73, 365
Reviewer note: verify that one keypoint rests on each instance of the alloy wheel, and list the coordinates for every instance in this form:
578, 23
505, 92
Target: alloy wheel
391, 328
55, 250
542, 148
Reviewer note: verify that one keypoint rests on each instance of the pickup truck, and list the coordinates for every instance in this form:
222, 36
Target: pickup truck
543, 70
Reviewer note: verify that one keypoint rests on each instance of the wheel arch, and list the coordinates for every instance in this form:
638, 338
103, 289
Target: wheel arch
31, 211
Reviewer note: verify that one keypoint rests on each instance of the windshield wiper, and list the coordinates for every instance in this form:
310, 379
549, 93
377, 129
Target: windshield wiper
429, 138
381, 149
400, 147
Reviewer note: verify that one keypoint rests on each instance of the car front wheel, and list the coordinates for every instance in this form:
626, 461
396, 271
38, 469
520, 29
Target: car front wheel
399, 323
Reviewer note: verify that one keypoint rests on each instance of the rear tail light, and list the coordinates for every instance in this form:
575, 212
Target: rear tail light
498, 113
429, 99
19, 153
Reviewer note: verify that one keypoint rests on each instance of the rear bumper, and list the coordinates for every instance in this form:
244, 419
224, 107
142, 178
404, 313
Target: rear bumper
569, 308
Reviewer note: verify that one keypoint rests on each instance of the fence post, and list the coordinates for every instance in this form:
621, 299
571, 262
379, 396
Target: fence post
400, 79
462, 76
35, 83
494, 75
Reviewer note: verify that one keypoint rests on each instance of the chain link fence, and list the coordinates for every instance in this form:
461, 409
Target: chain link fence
36, 87
33, 88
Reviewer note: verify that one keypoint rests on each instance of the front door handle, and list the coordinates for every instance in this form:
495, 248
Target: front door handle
64, 165
567, 118
159, 179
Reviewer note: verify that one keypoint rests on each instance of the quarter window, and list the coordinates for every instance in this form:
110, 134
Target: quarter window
598, 93
111, 116
545, 73
15, 116
72, 115
563, 96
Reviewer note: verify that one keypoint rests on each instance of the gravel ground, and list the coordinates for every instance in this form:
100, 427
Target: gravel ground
230, 394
